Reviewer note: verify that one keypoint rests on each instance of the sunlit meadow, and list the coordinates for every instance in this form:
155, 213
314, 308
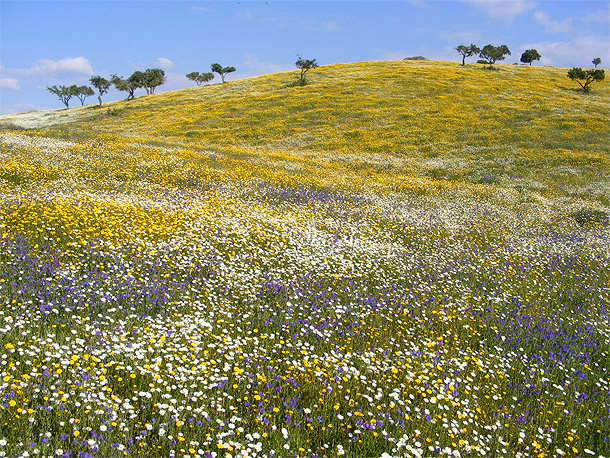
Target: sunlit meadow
384, 262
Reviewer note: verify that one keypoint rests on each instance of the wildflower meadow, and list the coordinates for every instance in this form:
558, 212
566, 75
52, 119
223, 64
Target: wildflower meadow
382, 263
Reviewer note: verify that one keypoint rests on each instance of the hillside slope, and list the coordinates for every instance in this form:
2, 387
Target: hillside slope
399, 259
519, 127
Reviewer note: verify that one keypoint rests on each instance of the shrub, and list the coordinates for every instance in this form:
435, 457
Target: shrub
586, 216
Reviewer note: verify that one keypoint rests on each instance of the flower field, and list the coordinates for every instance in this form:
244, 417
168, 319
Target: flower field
381, 263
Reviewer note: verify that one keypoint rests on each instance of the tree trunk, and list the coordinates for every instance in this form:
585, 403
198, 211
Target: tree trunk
99, 97
463, 60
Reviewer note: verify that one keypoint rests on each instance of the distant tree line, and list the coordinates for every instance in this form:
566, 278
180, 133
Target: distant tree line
148, 80
152, 78
491, 54
65, 93
200, 78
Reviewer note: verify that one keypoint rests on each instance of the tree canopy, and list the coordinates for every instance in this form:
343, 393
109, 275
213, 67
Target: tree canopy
128, 85
64, 93
490, 54
200, 78
596, 61
305, 65
101, 84
222, 71
467, 51
81, 92
153, 77
529, 56
586, 76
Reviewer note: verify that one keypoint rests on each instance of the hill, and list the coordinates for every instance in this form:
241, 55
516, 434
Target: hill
400, 258
404, 122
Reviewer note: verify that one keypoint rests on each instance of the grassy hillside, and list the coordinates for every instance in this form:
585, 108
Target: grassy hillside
406, 123
401, 258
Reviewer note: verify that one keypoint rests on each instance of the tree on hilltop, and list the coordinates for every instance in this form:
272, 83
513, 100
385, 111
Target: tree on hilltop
305, 65
467, 51
81, 93
128, 85
64, 93
596, 61
200, 78
153, 77
529, 56
101, 84
588, 76
222, 71
490, 54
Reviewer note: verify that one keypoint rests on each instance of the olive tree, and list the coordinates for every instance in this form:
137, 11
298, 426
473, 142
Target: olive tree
101, 84
586, 76
128, 85
529, 56
467, 51
81, 93
490, 54
153, 77
64, 93
222, 71
304, 65
200, 78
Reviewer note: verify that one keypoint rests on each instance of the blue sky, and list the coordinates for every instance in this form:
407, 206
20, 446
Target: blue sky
45, 43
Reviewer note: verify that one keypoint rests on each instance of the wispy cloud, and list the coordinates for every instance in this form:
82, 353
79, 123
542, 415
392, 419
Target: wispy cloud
563, 26
51, 68
165, 63
503, 10
10, 83
570, 53
597, 17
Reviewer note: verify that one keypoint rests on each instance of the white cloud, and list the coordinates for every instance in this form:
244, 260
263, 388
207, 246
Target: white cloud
51, 68
570, 53
564, 26
10, 83
504, 10
165, 63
